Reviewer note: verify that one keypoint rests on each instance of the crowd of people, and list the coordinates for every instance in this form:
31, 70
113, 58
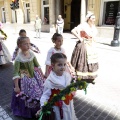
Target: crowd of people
32, 88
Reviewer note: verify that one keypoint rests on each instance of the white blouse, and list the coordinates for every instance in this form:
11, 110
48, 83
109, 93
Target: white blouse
54, 82
50, 53
91, 31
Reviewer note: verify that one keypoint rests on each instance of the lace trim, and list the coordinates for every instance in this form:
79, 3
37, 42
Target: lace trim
21, 58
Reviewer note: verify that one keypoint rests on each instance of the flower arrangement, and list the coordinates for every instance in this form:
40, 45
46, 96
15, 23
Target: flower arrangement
75, 85
3, 33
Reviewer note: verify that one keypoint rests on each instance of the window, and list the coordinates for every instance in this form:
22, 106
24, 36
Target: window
45, 11
111, 9
45, 2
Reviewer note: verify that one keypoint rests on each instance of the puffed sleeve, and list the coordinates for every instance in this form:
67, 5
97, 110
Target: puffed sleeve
45, 96
36, 64
16, 70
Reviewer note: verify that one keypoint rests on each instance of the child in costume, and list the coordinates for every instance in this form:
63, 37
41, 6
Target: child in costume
28, 81
57, 39
57, 80
34, 48
5, 56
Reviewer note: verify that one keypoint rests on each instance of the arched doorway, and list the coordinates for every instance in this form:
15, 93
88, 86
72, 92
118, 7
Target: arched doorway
75, 13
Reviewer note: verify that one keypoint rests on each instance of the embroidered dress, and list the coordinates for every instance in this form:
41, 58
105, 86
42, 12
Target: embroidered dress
4, 53
31, 80
50, 53
84, 57
53, 85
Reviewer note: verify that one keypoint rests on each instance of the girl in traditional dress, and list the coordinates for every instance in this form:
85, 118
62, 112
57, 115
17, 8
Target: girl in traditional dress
28, 81
84, 58
57, 39
5, 56
34, 48
57, 80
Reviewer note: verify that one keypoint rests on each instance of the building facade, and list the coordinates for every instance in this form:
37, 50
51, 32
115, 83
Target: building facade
73, 12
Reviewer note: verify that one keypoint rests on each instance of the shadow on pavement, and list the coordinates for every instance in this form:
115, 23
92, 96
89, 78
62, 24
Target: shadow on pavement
85, 110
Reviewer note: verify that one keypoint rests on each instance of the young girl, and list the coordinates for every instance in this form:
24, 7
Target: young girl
57, 39
34, 48
5, 56
57, 80
28, 81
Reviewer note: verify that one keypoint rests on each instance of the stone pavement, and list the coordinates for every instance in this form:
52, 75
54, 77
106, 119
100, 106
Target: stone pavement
102, 99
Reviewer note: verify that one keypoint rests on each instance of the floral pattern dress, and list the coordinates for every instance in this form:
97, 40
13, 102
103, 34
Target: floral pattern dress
31, 80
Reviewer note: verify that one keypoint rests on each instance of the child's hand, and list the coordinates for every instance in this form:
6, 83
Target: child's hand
17, 90
38, 113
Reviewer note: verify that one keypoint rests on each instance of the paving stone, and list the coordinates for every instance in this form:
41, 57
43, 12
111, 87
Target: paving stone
109, 118
79, 113
88, 113
104, 114
91, 118
82, 118
100, 118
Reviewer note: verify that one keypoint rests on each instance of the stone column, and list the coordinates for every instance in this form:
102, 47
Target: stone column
7, 11
52, 15
57, 8
33, 10
83, 11
52, 12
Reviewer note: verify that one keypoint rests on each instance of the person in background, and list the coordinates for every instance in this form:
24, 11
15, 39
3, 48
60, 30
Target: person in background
33, 47
84, 57
38, 23
5, 56
60, 24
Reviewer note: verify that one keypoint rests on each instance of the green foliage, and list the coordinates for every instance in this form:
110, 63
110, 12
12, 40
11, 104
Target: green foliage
3, 33
77, 85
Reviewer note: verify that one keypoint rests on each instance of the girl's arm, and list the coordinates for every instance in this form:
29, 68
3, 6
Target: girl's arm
16, 76
45, 96
46, 71
76, 33
16, 83
48, 62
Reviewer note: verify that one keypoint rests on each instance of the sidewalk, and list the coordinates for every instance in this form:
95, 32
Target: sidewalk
102, 101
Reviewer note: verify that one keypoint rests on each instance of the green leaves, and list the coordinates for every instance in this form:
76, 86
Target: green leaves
76, 84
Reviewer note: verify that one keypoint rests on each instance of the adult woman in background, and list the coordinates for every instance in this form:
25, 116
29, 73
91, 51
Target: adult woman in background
84, 56
60, 24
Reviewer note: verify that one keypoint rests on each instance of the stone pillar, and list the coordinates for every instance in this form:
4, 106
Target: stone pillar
57, 8
7, 11
33, 10
20, 16
52, 15
83, 11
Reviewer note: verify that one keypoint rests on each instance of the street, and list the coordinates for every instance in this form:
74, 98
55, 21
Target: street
102, 101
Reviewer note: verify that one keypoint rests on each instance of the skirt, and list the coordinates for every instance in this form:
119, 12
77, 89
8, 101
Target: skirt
85, 71
4, 54
27, 102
